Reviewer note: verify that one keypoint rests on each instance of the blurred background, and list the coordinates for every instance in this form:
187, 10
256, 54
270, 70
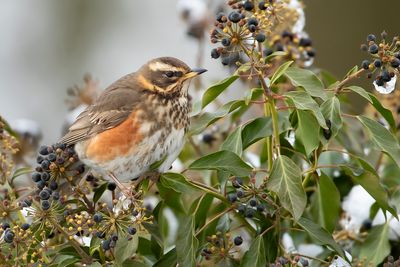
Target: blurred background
47, 46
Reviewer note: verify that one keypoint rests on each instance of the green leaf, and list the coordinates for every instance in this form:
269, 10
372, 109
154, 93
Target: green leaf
320, 234
280, 71
370, 182
285, 180
386, 113
234, 142
130, 263
327, 203
253, 94
68, 262
215, 90
262, 127
306, 79
20, 172
176, 182
222, 161
255, 256
376, 247
360, 91
168, 260
186, 243
125, 248
307, 131
209, 118
275, 54
331, 111
98, 192
381, 137
304, 101
352, 71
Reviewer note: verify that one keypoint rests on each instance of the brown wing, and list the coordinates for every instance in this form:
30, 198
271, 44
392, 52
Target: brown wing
110, 109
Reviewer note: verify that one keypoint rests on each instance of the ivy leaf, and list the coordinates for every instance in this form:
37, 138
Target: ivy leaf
320, 234
209, 118
376, 247
215, 90
125, 248
370, 182
176, 182
360, 91
352, 71
331, 111
234, 142
253, 94
386, 113
168, 260
285, 180
98, 192
186, 243
381, 137
222, 161
280, 71
20, 172
308, 80
307, 131
255, 256
304, 101
261, 128
275, 54
327, 202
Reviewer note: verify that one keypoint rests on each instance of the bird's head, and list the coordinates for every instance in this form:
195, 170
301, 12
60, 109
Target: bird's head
166, 75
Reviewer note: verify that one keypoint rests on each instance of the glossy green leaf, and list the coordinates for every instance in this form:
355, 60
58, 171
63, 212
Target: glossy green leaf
280, 71
320, 234
125, 248
262, 127
386, 113
360, 91
285, 180
215, 90
99, 191
304, 101
382, 138
68, 262
222, 161
255, 256
331, 111
253, 94
168, 260
275, 54
327, 202
376, 247
306, 79
370, 182
176, 182
307, 131
209, 118
234, 142
352, 71
186, 243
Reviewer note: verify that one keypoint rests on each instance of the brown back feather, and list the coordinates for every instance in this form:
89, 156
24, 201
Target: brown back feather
110, 109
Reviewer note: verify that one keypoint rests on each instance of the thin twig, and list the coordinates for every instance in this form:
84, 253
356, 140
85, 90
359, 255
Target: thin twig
219, 215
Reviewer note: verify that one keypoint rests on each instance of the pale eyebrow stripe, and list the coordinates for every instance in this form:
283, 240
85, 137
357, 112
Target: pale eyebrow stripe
159, 66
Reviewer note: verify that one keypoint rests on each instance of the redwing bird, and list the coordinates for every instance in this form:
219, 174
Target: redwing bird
139, 120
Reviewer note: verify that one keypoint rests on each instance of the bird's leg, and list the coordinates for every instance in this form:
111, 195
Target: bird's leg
126, 191
152, 175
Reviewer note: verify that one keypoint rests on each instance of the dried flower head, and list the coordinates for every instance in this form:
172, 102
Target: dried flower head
83, 95
8, 148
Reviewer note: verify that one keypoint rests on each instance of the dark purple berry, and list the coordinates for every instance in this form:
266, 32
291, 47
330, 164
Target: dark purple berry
132, 230
262, 6
253, 202
25, 226
305, 42
365, 64
39, 159
52, 157
45, 176
260, 37
237, 182
220, 16
53, 185
45, 204
249, 213
9, 237
111, 186
45, 164
98, 217
215, 54
43, 150
249, 6
260, 208
106, 244
234, 16
44, 194
239, 193
226, 42
232, 197
371, 37
238, 240
395, 63
252, 28
373, 49
36, 177
378, 63
5, 225
252, 21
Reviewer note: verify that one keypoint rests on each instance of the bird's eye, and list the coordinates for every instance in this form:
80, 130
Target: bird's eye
169, 74
178, 73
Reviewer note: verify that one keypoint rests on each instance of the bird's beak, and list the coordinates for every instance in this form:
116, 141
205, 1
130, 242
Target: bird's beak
193, 73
